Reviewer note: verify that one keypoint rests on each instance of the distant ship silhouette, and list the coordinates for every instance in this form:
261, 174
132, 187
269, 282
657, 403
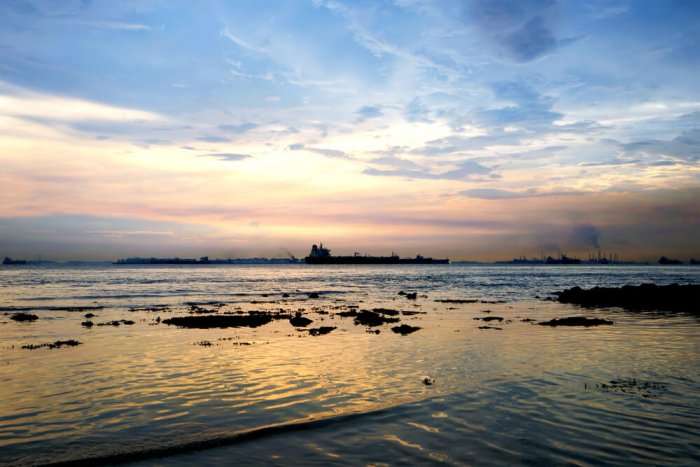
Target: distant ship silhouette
321, 255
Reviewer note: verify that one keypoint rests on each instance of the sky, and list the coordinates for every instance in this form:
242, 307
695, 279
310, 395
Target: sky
468, 129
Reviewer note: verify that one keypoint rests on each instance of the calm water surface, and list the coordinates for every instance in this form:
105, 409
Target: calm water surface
524, 394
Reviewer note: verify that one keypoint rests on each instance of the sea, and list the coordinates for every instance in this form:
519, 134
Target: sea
459, 390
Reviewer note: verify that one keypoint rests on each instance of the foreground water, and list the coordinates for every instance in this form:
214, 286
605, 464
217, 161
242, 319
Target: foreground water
521, 394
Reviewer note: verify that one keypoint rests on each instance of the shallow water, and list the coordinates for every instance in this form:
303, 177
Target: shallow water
521, 395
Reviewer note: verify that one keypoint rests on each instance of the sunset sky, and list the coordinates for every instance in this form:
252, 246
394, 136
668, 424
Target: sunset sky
469, 129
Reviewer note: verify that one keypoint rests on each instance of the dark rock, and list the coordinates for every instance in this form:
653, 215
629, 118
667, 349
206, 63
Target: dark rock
491, 327
411, 295
285, 295
370, 318
674, 297
117, 322
528, 320
321, 331
23, 317
87, 324
52, 345
386, 311
405, 329
220, 321
313, 295
347, 314
490, 318
299, 321
89, 315
204, 343
428, 381
576, 321
646, 389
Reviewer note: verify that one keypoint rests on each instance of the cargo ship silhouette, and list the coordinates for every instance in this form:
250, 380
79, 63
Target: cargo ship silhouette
321, 255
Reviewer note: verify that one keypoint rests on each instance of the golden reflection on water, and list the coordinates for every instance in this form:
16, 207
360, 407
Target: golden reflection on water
151, 382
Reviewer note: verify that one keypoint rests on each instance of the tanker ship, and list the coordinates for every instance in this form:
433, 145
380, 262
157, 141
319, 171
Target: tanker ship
321, 255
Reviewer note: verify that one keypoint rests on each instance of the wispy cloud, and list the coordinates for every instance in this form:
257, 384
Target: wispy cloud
226, 156
332, 153
466, 170
242, 43
20, 102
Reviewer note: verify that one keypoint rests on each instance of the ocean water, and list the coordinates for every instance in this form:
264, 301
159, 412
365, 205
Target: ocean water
152, 394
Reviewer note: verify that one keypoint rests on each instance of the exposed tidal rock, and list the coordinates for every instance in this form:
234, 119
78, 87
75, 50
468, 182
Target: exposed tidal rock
576, 321
23, 317
117, 322
347, 314
386, 311
674, 297
321, 330
405, 329
633, 386
300, 321
219, 321
52, 345
370, 318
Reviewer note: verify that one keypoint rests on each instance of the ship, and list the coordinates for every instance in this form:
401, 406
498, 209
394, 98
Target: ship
13, 262
322, 255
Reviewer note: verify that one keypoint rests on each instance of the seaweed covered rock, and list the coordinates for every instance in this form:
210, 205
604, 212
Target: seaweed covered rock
299, 321
576, 321
370, 318
674, 297
27, 317
321, 330
405, 329
219, 321
53, 345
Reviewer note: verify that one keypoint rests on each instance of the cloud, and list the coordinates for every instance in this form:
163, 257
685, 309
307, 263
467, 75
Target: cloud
532, 40
213, 139
465, 170
227, 156
522, 29
238, 129
19, 102
369, 111
529, 108
116, 25
242, 43
456, 144
332, 153
685, 147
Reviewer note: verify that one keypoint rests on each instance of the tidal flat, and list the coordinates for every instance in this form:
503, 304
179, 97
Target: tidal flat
342, 365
